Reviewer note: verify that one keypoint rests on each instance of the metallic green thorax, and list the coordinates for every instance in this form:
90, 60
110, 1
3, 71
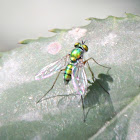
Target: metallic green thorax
76, 54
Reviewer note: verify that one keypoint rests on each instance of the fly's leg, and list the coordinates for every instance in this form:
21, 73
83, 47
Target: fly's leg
94, 76
83, 108
97, 63
90, 70
102, 87
66, 95
51, 87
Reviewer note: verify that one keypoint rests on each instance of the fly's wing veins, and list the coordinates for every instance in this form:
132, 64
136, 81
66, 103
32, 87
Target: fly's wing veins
52, 68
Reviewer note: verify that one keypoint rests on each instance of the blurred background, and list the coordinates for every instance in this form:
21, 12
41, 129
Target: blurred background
23, 19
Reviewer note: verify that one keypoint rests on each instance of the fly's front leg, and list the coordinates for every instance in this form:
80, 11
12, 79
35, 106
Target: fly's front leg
97, 63
51, 87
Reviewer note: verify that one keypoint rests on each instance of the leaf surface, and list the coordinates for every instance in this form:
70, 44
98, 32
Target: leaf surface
113, 42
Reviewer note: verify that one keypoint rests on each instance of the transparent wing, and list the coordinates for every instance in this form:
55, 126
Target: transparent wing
79, 79
52, 68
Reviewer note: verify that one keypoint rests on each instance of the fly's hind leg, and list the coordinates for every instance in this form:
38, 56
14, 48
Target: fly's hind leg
51, 87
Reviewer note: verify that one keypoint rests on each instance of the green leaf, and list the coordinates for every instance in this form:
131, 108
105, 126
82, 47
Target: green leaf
113, 42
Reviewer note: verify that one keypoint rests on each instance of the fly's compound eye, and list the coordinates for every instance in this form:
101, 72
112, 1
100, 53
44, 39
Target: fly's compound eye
85, 47
77, 44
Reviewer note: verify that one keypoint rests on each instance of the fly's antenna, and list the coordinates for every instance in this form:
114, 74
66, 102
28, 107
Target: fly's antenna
83, 42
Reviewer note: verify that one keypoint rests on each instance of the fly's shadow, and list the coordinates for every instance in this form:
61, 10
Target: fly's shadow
97, 95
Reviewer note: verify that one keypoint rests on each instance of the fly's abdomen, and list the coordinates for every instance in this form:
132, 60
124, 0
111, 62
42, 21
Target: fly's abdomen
67, 74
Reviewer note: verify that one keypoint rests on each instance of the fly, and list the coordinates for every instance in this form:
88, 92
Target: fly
73, 66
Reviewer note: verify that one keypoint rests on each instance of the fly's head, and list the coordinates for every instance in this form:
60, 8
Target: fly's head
81, 45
